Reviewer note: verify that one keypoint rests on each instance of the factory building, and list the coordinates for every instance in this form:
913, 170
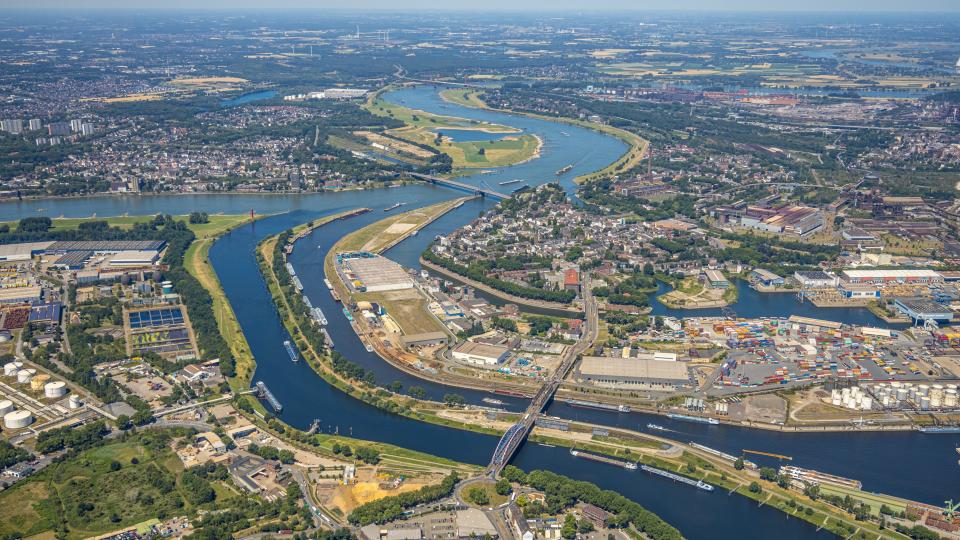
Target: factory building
814, 279
22, 252
794, 220
427, 339
715, 279
21, 295
146, 257
856, 290
632, 373
480, 354
881, 277
923, 309
766, 278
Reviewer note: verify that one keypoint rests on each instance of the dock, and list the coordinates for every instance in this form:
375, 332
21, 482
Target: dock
264, 393
768, 454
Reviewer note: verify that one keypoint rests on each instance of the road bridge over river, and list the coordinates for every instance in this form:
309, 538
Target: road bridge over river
514, 437
470, 188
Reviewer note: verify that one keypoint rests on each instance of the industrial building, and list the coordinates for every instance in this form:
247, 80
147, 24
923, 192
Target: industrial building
814, 279
766, 278
366, 272
923, 309
427, 339
480, 354
795, 220
632, 373
881, 277
21, 295
22, 252
715, 279
856, 290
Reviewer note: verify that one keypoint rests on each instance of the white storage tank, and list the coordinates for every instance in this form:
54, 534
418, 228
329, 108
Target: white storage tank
24, 375
950, 400
17, 419
5, 406
55, 389
866, 403
11, 368
74, 401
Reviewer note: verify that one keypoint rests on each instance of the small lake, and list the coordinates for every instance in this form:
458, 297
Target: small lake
248, 98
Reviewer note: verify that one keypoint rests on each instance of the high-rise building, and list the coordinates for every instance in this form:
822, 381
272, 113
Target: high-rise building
13, 126
58, 128
35, 124
76, 125
87, 129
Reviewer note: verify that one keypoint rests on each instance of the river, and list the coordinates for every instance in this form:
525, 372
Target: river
906, 464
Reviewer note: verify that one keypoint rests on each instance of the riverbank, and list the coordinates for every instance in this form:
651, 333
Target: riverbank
197, 262
565, 309
637, 146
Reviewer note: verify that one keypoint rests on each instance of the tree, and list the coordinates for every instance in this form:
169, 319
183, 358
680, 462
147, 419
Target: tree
454, 399
648, 269
569, 528
738, 464
755, 487
503, 487
478, 496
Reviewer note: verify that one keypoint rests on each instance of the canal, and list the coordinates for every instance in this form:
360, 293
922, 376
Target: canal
911, 464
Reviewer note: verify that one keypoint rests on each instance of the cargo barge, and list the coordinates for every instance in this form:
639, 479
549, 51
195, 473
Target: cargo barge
816, 477
508, 182
394, 207
699, 484
327, 340
697, 419
492, 401
629, 465
940, 429
564, 170
335, 295
346, 313
264, 393
595, 405
294, 355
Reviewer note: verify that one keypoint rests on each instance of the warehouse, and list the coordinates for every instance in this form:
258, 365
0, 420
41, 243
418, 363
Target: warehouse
880, 277
856, 290
814, 279
22, 252
715, 279
480, 354
366, 272
923, 309
146, 257
632, 373
72, 260
427, 339
766, 278
20, 295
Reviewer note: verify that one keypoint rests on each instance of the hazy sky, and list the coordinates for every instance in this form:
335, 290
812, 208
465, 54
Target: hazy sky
493, 5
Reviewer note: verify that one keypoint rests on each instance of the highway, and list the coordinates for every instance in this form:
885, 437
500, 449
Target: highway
517, 434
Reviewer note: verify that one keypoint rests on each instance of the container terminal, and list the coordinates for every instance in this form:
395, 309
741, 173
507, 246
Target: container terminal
629, 465
264, 393
700, 484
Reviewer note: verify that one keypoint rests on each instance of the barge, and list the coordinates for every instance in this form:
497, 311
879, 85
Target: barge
394, 207
294, 355
564, 170
508, 182
346, 313
697, 419
318, 316
594, 405
629, 465
492, 401
327, 283
327, 340
699, 484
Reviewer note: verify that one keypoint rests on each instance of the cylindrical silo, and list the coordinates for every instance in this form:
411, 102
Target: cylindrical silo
36, 383
55, 389
24, 375
5, 406
17, 419
74, 402
10, 368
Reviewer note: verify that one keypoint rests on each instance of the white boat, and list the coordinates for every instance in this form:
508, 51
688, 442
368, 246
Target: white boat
657, 427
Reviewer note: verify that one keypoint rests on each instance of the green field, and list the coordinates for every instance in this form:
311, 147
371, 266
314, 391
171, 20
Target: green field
120, 497
218, 223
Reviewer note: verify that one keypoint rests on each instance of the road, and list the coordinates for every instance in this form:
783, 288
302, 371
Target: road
517, 434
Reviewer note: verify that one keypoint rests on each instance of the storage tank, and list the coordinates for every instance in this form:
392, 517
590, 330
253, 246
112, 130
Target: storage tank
17, 419
55, 389
24, 375
902, 394
950, 400
10, 368
936, 403
866, 403
924, 403
952, 387
36, 383
5, 406
74, 402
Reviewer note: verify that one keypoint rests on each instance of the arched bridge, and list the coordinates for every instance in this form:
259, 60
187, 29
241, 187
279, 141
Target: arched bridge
470, 188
